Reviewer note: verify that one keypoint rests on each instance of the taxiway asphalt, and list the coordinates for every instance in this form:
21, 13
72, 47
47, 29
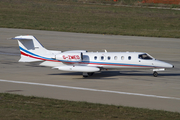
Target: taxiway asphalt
127, 87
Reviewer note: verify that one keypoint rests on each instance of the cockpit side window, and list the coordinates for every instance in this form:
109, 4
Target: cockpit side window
145, 57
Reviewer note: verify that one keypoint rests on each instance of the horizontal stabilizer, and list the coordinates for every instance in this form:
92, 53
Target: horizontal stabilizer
17, 38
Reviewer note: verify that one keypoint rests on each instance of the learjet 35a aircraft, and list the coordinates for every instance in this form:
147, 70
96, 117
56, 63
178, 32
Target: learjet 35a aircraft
86, 62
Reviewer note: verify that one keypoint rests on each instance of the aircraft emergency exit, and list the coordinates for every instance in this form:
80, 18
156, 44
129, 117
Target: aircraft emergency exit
86, 62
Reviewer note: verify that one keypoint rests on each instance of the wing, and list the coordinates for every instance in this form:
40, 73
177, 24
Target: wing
70, 68
74, 68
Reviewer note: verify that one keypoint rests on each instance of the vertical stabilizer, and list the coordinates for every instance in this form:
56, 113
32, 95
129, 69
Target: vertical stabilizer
31, 49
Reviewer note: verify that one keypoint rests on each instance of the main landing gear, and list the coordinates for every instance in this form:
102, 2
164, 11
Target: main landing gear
85, 74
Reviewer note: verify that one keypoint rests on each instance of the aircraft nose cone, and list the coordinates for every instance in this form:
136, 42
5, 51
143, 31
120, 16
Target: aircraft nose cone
169, 65
164, 64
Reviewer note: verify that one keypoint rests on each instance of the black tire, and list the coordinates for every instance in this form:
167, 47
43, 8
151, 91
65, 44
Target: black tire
85, 76
155, 74
91, 73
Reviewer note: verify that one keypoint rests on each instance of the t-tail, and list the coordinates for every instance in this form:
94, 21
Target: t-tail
32, 50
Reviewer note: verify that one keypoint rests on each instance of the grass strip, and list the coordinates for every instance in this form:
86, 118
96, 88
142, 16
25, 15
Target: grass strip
35, 108
74, 16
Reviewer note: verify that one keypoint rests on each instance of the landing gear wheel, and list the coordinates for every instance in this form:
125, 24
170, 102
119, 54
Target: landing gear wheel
90, 74
85, 75
155, 74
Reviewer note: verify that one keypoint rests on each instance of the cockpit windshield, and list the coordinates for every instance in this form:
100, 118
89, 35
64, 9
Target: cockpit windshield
145, 57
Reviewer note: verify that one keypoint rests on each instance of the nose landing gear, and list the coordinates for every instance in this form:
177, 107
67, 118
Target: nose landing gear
155, 74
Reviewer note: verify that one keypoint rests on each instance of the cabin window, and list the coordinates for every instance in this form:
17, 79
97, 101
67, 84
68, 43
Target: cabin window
145, 57
122, 57
95, 57
102, 57
109, 58
129, 58
115, 57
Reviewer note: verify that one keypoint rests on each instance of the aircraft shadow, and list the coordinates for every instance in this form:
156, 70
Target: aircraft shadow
149, 74
101, 75
106, 74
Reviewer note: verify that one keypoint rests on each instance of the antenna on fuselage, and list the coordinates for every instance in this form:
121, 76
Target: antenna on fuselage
105, 50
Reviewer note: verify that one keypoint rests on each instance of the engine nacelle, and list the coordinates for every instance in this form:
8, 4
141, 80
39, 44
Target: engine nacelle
68, 56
